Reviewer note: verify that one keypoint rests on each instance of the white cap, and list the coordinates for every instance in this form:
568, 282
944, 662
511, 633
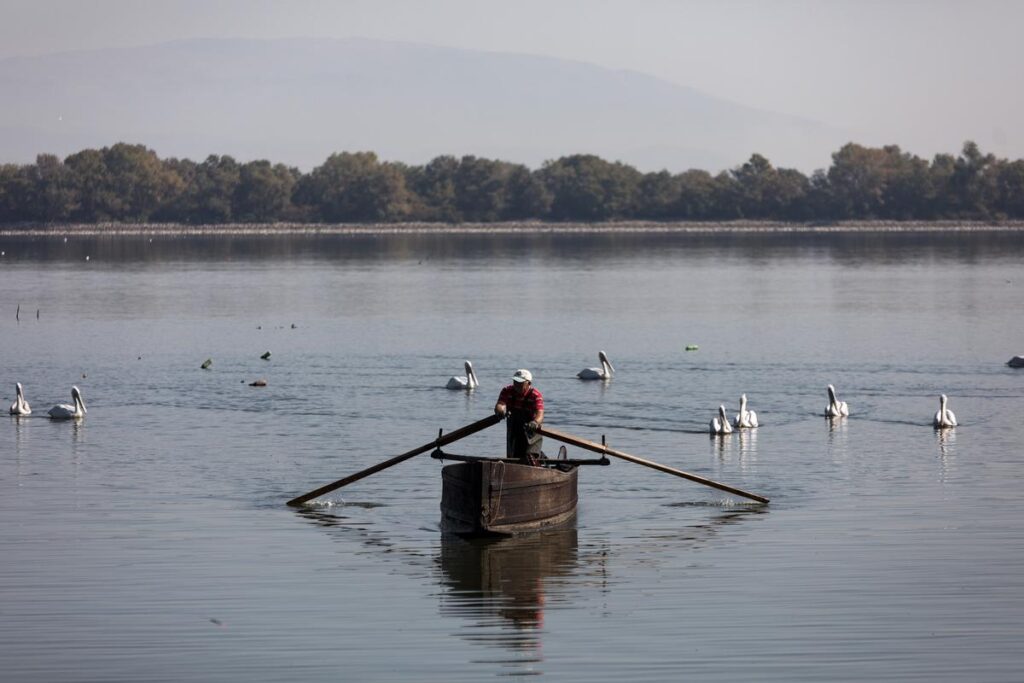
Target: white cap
522, 376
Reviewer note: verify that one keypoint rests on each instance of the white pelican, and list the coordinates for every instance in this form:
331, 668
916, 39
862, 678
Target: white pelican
720, 424
64, 411
20, 405
1016, 362
603, 372
745, 419
835, 408
466, 383
945, 417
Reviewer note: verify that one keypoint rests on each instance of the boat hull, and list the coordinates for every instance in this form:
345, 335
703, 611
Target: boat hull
486, 498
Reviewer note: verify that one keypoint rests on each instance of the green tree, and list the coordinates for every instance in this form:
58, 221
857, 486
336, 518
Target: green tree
264, 192
588, 188
658, 196
209, 190
436, 186
698, 194
92, 182
480, 189
1010, 188
857, 181
138, 181
52, 195
351, 187
15, 193
909, 192
525, 195
973, 184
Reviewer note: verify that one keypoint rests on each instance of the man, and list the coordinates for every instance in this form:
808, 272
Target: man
523, 405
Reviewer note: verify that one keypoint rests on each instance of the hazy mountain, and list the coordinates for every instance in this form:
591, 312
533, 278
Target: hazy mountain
296, 101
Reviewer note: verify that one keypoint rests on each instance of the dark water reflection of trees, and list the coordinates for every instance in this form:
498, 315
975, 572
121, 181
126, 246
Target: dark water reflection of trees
871, 246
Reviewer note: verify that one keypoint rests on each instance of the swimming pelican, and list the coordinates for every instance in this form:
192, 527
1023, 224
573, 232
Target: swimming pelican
1016, 362
64, 411
745, 419
835, 408
720, 424
20, 405
466, 383
603, 372
945, 417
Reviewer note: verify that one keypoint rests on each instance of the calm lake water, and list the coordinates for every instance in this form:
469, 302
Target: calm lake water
151, 542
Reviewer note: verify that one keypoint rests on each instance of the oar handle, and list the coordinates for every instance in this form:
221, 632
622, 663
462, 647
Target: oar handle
601, 448
437, 443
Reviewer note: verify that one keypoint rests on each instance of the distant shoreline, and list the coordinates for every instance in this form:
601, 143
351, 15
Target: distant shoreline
530, 227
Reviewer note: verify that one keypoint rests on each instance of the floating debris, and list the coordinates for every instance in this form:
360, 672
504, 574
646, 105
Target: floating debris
266, 356
258, 383
294, 326
206, 364
692, 347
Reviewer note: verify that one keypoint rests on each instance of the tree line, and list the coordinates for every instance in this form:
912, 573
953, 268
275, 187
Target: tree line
131, 184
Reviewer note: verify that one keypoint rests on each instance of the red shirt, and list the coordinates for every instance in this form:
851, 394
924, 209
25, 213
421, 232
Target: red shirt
529, 403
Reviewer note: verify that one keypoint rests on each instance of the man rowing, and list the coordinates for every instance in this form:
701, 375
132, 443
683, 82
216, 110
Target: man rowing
523, 406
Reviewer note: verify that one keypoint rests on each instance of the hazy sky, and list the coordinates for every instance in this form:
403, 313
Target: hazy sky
926, 75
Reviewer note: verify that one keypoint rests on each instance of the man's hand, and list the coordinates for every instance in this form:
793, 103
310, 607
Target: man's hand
500, 410
533, 425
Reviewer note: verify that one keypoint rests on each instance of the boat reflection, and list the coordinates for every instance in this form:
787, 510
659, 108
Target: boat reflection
502, 587
499, 593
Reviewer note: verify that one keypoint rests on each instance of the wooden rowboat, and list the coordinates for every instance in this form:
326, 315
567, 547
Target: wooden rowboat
498, 498
503, 497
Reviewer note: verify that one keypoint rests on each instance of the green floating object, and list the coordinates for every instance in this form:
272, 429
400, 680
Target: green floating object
206, 364
266, 356
692, 347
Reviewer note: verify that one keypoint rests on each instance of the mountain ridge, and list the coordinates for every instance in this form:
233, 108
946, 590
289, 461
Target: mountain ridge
297, 100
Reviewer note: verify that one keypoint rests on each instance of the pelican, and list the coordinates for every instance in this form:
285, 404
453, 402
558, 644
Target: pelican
720, 424
835, 408
745, 419
64, 411
945, 417
603, 372
466, 383
20, 405
1016, 362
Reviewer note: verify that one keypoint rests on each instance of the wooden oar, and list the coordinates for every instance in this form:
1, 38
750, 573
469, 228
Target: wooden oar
436, 443
601, 448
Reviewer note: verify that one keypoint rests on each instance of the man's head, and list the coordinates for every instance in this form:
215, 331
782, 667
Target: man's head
522, 379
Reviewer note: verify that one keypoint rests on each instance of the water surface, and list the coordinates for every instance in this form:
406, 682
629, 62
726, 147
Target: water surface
150, 541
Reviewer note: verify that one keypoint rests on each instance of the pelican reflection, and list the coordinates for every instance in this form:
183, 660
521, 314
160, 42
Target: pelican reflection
946, 439
748, 447
837, 437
